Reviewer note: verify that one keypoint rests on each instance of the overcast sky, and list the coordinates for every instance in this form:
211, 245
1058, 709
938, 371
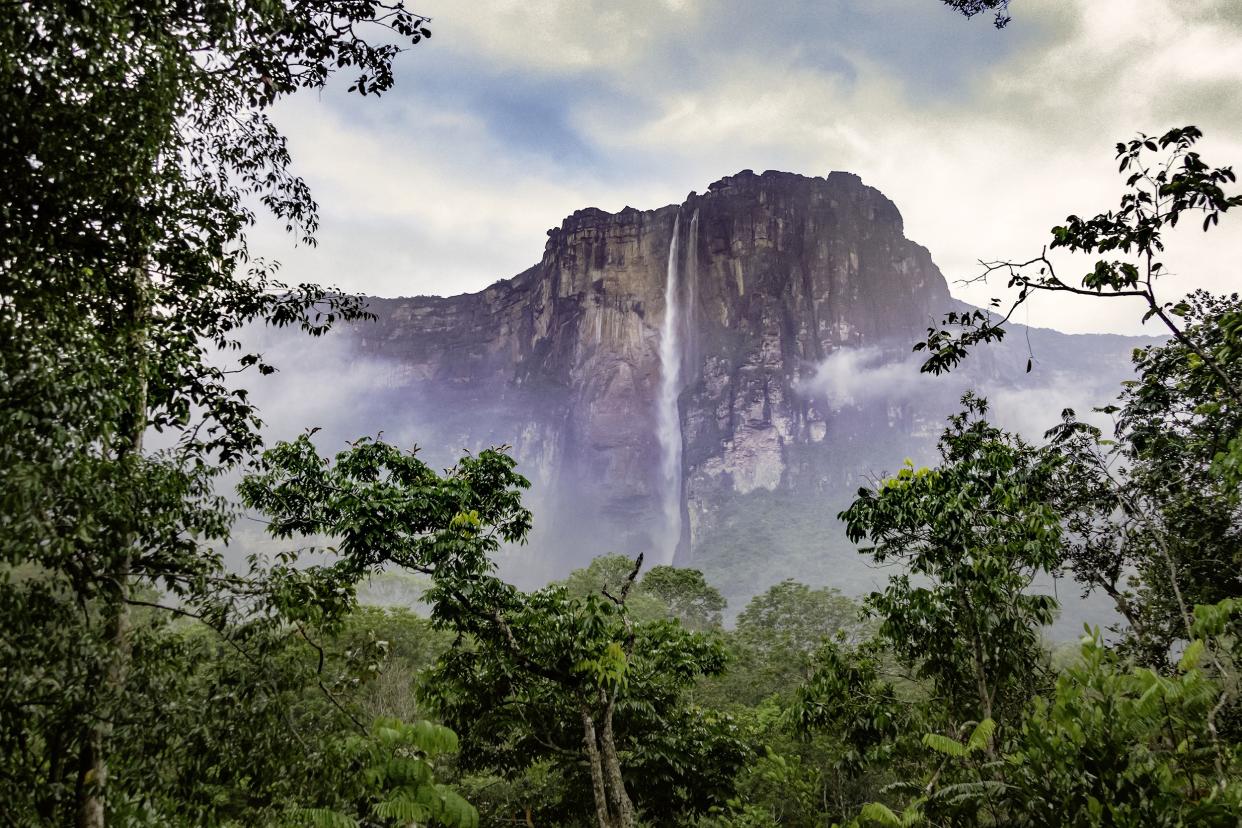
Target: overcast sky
515, 114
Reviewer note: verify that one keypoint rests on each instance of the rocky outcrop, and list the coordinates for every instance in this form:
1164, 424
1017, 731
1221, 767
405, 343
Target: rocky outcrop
790, 270
562, 363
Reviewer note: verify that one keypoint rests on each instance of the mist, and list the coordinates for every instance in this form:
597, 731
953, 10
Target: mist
1027, 404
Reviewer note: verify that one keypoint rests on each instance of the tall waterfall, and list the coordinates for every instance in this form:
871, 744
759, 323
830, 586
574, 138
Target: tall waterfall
691, 278
668, 421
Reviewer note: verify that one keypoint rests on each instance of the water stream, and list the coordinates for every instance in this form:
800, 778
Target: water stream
673, 340
668, 419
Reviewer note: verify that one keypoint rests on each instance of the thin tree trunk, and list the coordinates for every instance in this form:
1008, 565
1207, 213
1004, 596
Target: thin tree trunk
93, 778
612, 768
597, 771
985, 695
981, 678
91, 812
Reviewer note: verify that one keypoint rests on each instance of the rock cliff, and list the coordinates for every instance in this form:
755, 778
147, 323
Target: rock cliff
777, 276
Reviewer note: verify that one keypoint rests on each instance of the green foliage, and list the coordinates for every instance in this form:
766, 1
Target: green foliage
518, 702
774, 789
253, 726
1114, 745
974, 531
847, 697
608, 574
688, 596
1150, 517
387, 650
795, 617
135, 142
663, 591
772, 649
878, 814
540, 790
386, 507
980, 738
398, 762
1154, 519
533, 678
1146, 738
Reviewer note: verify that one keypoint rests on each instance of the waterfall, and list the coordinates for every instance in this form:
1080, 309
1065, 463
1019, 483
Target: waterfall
692, 278
668, 422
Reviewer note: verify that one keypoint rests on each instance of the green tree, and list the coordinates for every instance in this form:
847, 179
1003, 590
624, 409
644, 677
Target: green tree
531, 677
550, 677
663, 592
136, 136
1119, 746
271, 724
971, 534
1154, 520
687, 596
794, 617
608, 575
1112, 746
773, 646
867, 730
1161, 497
1151, 518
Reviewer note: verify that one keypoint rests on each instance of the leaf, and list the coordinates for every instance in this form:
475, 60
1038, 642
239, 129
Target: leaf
982, 736
321, 818
1190, 658
879, 814
943, 744
403, 809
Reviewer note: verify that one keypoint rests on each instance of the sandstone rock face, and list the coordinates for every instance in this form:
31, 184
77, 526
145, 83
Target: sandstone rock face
562, 362
790, 269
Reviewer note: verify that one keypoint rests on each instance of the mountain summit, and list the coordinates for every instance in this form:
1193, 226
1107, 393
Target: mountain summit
707, 383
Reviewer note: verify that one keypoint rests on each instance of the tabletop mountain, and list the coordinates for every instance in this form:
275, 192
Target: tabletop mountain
707, 382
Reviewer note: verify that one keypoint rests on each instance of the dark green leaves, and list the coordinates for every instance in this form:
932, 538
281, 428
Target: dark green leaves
1157, 194
973, 532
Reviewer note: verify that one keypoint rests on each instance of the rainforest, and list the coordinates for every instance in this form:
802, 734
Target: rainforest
741, 507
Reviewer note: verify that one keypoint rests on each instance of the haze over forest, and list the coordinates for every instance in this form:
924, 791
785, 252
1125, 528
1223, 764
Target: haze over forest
665, 414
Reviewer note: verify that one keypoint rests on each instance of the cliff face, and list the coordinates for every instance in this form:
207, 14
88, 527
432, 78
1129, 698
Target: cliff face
790, 270
776, 272
792, 303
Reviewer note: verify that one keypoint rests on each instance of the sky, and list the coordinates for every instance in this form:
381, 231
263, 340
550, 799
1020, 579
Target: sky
515, 114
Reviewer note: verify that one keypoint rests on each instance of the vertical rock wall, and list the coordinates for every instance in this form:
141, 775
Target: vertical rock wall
562, 361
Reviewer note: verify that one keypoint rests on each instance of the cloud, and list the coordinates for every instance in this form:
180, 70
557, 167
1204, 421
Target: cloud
861, 376
1025, 404
514, 115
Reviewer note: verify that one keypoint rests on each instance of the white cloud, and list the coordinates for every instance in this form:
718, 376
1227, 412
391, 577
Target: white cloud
861, 376
427, 199
560, 35
1027, 404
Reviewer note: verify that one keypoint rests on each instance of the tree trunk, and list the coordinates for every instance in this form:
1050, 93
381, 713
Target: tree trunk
612, 768
93, 767
597, 771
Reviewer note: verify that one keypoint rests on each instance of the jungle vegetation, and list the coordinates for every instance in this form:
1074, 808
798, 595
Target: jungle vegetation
143, 682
